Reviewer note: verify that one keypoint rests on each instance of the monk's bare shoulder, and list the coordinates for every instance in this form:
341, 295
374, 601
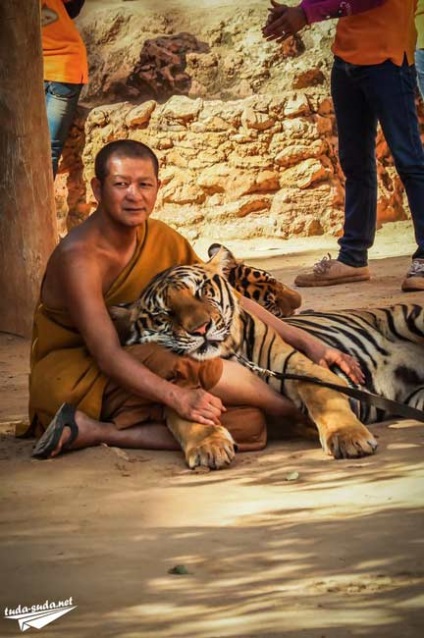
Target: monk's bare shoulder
79, 254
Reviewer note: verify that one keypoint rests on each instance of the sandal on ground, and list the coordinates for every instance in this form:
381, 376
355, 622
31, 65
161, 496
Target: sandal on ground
64, 417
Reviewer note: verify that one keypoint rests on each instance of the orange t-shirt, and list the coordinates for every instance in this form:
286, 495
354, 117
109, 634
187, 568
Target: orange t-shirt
384, 33
64, 53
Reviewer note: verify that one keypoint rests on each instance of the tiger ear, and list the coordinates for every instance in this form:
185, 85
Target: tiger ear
222, 258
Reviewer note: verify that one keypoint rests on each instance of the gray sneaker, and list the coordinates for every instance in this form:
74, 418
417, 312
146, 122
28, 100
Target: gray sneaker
414, 279
329, 272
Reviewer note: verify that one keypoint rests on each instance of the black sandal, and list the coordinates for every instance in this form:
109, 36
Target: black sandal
64, 417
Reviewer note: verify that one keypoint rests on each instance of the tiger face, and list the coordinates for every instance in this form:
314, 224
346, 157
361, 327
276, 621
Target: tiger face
189, 309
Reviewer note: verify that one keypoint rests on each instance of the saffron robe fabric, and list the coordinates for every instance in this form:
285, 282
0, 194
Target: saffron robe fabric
61, 367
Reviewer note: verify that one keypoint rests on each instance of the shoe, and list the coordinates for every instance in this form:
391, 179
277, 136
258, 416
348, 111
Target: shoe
329, 272
64, 417
414, 279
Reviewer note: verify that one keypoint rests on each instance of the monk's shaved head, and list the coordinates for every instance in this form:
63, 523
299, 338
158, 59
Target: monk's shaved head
123, 149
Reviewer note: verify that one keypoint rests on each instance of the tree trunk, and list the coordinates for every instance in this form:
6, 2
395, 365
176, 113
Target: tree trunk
28, 227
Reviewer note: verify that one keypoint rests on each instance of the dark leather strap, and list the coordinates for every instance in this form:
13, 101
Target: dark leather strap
393, 407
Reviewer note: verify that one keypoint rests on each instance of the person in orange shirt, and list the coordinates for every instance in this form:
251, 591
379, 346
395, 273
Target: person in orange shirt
373, 80
65, 69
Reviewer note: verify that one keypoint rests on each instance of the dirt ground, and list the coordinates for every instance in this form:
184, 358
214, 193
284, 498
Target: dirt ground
286, 542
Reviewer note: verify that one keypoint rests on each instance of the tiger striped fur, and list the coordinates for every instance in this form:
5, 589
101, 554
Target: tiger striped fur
193, 310
259, 285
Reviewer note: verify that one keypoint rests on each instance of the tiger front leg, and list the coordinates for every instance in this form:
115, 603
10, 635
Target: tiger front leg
341, 434
209, 446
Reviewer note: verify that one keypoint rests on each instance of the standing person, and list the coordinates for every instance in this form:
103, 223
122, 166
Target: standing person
65, 69
373, 80
117, 395
419, 53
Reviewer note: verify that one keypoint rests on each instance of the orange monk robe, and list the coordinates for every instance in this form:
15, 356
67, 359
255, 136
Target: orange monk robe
62, 369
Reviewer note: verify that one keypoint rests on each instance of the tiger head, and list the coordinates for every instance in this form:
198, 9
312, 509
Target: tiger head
189, 309
258, 285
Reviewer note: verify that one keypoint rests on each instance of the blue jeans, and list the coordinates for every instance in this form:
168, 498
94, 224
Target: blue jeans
364, 96
61, 103
419, 65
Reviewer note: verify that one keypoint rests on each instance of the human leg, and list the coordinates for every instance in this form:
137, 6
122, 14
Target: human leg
229, 380
248, 427
357, 126
131, 421
239, 386
213, 446
128, 420
393, 92
61, 101
246, 397
419, 65
90, 433
246, 424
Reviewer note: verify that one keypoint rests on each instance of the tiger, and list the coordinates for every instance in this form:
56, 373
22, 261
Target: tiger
193, 310
362, 333
259, 285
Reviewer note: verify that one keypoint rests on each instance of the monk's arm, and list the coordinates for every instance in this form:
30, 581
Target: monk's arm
313, 348
81, 279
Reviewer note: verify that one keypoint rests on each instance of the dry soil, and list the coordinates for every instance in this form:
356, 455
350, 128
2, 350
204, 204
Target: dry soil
286, 542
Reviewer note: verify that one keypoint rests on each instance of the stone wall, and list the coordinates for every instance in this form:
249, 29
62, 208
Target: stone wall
244, 130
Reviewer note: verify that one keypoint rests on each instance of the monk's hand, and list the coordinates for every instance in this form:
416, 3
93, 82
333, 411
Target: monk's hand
199, 406
349, 365
283, 21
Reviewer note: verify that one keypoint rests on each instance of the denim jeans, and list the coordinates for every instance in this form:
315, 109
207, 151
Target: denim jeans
419, 65
364, 96
61, 103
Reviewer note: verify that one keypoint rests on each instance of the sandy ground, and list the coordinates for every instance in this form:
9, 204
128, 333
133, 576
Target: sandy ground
335, 552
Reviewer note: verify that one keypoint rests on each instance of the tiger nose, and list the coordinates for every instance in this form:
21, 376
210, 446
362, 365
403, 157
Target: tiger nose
201, 329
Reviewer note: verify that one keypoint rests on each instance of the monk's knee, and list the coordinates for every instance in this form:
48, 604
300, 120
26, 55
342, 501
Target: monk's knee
247, 426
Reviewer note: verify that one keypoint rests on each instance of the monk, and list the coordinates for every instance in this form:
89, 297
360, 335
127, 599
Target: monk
85, 388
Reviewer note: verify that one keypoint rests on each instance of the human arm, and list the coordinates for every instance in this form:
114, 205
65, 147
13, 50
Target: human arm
80, 275
319, 10
73, 7
313, 348
284, 21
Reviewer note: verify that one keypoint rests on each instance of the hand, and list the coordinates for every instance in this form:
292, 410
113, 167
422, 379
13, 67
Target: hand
283, 21
331, 357
198, 405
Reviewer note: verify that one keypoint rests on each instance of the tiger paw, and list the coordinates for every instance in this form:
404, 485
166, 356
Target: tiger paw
349, 442
215, 450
